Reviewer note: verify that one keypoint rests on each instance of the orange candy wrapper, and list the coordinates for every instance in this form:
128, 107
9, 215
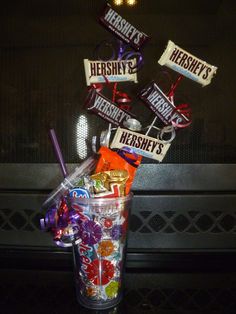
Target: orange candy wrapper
110, 160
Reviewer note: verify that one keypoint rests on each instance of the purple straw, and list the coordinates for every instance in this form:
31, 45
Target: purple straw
58, 153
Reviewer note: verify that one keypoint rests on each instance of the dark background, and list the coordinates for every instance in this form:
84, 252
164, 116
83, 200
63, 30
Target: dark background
181, 251
42, 82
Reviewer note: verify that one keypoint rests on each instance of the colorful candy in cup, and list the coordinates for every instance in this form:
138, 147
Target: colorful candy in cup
105, 181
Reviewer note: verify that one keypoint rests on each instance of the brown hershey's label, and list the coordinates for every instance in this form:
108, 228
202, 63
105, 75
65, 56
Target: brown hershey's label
121, 28
157, 101
141, 144
106, 109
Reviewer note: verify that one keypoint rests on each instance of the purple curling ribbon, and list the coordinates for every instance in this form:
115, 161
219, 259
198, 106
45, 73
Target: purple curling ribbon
122, 153
63, 223
120, 53
49, 220
68, 237
104, 44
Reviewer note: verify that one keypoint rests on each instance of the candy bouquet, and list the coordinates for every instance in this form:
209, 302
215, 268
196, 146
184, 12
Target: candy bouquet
89, 210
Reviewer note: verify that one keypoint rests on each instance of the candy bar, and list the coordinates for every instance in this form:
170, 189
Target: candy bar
186, 64
113, 71
141, 144
122, 29
106, 109
157, 101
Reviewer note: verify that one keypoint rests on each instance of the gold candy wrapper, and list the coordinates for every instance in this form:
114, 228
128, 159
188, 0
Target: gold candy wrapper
110, 183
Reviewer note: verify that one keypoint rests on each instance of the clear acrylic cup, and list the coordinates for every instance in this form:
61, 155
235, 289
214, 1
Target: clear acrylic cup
99, 258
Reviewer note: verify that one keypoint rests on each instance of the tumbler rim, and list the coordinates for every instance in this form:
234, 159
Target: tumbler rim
102, 200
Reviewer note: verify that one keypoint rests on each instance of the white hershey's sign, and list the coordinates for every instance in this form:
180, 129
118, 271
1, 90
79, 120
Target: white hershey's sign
141, 144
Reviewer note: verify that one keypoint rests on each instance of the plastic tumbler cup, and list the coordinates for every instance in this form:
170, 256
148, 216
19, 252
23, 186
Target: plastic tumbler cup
99, 258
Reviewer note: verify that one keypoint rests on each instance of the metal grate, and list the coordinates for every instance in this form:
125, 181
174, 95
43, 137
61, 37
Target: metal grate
191, 222
20, 220
156, 222
142, 222
181, 299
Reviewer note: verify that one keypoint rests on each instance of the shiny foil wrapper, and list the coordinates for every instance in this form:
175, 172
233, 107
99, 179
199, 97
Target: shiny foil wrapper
110, 160
110, 183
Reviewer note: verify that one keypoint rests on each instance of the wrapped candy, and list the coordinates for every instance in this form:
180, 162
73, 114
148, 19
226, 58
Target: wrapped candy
122, 28
105, 183
111, 160
159, 103
112, 70
186, 64
141, 144
106, 109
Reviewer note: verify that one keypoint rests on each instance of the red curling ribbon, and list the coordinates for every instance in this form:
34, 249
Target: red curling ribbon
182, 108
99, 86
63, 208
63, 213
185, 110
123, 99
174, 86
58, 234
114, 92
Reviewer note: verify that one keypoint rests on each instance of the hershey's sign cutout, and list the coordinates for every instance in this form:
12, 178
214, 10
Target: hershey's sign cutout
113, 70
159, 103
186, 64
121, 28
106, 109
141, 144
